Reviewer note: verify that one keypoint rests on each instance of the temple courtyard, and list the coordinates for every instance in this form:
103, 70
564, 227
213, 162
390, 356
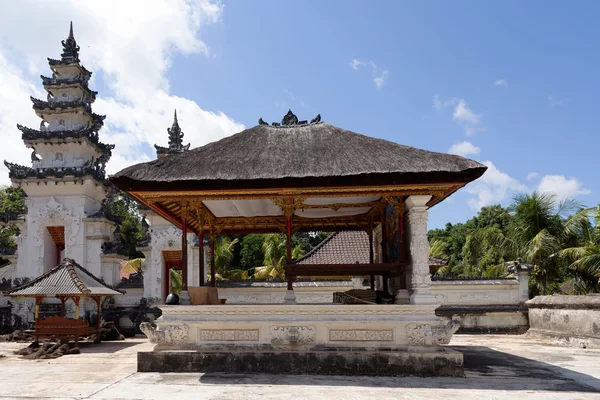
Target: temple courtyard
496, 367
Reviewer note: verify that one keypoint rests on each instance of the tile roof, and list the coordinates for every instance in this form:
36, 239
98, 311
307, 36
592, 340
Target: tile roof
66, 279
348, 247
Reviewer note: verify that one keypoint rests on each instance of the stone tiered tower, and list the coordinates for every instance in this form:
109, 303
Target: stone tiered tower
65, 184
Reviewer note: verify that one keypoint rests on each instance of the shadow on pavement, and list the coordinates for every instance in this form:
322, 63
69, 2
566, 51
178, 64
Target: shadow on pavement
106, 347
484, 369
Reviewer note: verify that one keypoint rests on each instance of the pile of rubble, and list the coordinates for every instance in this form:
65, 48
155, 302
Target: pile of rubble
47, 350
17, 336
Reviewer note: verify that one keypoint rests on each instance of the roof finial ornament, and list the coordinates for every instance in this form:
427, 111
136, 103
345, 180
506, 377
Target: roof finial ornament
175, 121
175, 139
289, 119
70, 49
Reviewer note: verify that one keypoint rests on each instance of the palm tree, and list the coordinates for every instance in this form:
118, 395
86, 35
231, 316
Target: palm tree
175, 281
274, 250
538, 231
131, 266
223, 255
584, 258
437, 249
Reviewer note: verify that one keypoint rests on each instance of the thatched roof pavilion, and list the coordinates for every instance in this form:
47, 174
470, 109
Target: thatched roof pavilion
296, 176
305, 157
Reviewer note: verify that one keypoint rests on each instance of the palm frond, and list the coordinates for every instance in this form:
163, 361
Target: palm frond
132, 266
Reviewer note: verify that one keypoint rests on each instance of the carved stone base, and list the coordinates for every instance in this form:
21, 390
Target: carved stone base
302, 327
184, 298
317, 361
402, 297
289, 298
423, 296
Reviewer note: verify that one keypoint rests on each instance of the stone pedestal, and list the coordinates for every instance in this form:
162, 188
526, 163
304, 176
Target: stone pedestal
289, 298
184, 298
367, 335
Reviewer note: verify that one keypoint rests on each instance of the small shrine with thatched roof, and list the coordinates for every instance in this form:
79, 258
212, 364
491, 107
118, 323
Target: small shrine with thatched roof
67, 282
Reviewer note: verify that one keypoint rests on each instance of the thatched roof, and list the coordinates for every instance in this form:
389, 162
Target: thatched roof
309, 155
66, 279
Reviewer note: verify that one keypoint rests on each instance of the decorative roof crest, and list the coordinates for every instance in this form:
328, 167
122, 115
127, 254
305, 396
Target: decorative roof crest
70, 49
290, 119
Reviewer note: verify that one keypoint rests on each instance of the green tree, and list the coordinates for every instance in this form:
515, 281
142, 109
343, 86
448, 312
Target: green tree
584, 258
125, 211
537, 232
251, 251
12, 204
224, 246
274, 250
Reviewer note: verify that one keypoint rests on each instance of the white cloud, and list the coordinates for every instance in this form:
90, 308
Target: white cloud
356, 64
556, 102
492, 188
561, 186
131, 44
462, 113
290, 94
464, 149
532, 175
439, 105
500, 82
380, 79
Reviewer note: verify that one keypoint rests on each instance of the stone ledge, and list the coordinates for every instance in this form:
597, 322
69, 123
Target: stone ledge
441, 362
565, 302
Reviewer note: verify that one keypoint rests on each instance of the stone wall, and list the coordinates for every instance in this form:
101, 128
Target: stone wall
273, 293
484, 306
574, 320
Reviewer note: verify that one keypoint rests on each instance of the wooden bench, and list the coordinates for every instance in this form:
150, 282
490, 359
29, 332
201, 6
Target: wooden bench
64, 328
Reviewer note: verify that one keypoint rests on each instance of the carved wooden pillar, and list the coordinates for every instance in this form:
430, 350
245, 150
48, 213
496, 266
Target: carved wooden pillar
184, 256
99, 316
201, 270
288, 239
184, 297
213, 236
288, 210
371, 255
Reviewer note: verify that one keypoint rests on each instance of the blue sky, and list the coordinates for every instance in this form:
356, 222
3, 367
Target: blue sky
516, 80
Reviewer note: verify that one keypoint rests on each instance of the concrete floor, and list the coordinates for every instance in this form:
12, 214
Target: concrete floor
496, 367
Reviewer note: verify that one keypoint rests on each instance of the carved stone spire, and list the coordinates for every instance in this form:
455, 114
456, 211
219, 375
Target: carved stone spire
70, 49
175, 140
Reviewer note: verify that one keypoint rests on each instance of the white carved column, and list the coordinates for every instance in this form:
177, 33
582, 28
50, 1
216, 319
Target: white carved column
146, 269
418, 278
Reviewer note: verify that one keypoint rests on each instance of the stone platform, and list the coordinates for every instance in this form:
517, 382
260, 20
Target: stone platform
316, 361
308, 339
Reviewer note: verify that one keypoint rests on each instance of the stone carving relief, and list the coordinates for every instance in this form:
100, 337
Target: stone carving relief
243, 299
477, 296
441, 298
55, 214
163, 239
292, 334
229, 334
360, 335
419, 247
171, 334
427, 335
